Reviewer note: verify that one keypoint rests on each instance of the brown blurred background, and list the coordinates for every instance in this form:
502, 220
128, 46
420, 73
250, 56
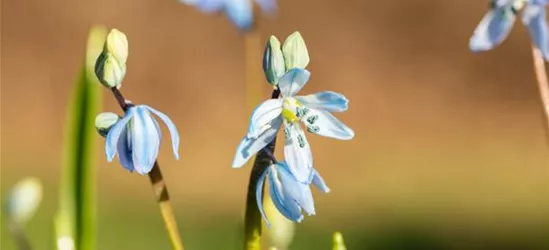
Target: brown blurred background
450, 150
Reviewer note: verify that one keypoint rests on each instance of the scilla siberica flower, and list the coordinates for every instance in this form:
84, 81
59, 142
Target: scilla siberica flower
289, 195
240, 12
136, 138
494, 28
313, 110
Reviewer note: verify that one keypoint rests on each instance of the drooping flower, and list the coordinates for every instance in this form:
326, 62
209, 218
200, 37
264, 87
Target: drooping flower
240, 12
136, 138
313, 110
495, 26
288, 194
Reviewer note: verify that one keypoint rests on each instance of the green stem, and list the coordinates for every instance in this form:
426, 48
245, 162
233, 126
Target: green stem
252, 218
543, 84
20, 237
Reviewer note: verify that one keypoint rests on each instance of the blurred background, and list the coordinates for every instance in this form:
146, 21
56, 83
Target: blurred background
450, 150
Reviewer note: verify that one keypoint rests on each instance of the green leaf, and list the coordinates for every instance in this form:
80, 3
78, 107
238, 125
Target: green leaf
75, 220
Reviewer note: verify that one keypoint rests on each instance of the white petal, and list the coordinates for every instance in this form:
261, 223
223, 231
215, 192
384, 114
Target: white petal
111, 142
298, 153
282, 201
249, 146
326, 100
293, 81
171, 127
492, 29
263, 115
325, 124
298, 191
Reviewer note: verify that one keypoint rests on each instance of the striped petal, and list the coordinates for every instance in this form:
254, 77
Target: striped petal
125, 150
263, 116
250, 146
171, 127
492, 29
319, 182
113, 136
293, 81
145, 140
325, 124
259, 195
283, 203
295, 190
326, 100
298, 153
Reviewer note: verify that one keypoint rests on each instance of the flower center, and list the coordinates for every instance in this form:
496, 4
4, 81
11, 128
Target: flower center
293, 110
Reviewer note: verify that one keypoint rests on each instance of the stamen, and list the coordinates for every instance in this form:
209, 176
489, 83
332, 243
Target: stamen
312, 119
313, 129
301, 141
287, 134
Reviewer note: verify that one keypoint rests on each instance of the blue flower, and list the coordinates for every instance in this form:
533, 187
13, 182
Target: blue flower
137, 136
312, 110
494, 28
288, 194
240, 12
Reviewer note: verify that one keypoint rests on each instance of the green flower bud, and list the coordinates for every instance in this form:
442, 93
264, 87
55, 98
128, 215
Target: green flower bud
104, 121
273, 61
295, 52
24, 199
117, 45
338, 243
109, 71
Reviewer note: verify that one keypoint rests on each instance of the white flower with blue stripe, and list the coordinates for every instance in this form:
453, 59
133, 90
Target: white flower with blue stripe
240, 12
136, 137
314, 111
289, 195
494, 28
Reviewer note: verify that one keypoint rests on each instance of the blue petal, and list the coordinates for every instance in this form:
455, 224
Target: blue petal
240, 12
125, 150
259, 195
319, 182
326, 100
298, 153
326, 124
171, 127
492, 29
293, 81
295, 190
113, 136
534, 17
285, 205
249, 146
145, 141
208, 6
263, 115
267, 6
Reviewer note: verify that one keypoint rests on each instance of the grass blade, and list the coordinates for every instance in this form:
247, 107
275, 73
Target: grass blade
75, 219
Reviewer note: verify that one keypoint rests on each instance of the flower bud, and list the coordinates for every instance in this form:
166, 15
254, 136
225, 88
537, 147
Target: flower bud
273, 61
104, 121
109, 71
24, 199
338, 243
117, 45
295, 52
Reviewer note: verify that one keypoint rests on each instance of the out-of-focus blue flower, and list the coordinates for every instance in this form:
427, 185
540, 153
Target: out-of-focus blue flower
313, 110
289, 195
494, 28
240, 12
136, 138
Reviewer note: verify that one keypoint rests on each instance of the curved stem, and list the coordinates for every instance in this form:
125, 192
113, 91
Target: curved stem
543, 84
252, 223
159, 188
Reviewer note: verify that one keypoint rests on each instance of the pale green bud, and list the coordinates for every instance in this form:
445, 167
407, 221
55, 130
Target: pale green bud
295, 52
117, 45
23, 200
282, 231
104, 121
273, 61
338, 243
109, 71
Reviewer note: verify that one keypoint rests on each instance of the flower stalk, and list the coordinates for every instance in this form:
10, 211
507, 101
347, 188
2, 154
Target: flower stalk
252, 218
541, 79
159, 186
